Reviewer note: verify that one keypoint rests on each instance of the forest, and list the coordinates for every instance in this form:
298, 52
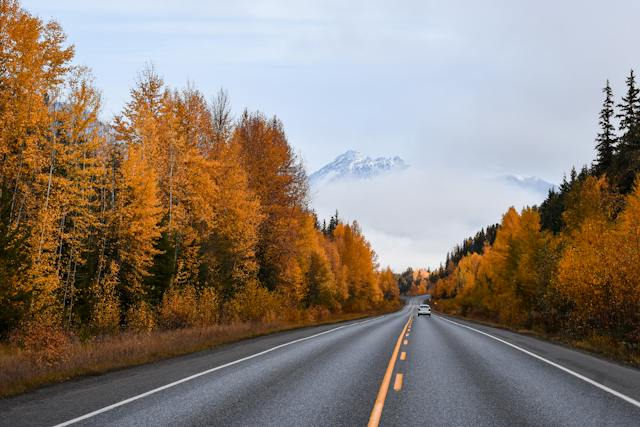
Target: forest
570, 267
173, 215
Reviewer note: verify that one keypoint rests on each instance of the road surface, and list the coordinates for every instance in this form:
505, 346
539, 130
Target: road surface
387, 370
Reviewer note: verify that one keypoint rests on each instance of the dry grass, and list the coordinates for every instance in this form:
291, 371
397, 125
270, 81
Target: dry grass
607, 347
22, 370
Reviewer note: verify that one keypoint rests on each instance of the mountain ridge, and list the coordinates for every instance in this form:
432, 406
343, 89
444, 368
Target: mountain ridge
532, 183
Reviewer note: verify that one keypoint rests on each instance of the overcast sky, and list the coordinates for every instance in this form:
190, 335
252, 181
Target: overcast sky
462, 90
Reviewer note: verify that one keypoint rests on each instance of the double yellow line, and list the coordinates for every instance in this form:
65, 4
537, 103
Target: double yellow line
376, 413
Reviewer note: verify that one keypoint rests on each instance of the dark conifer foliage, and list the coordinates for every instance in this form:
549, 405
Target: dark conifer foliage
333, 223
626, 162
405, 281
629, 108
606, 139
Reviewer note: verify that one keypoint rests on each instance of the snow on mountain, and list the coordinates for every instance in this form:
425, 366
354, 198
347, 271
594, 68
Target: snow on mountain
532, 183
355, 165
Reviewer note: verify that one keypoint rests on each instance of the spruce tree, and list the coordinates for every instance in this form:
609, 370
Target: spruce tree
573, 176
333, 223
627, 159
629, 113
606, 138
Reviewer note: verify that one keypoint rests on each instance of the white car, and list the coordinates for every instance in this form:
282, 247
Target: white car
424, 309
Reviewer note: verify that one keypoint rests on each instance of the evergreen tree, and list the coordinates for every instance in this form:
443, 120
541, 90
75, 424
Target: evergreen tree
627, 162
629, 110
573, 176
606, 139
551, 211
333, 223
405, 281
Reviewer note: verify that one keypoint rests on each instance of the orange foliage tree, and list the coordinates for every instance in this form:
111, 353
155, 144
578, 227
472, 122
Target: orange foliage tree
172, 215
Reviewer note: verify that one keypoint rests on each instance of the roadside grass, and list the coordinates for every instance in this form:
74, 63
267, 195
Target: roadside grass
597, 345
22, 370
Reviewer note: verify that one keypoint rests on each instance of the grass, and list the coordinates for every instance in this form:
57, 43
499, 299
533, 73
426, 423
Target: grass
21, 371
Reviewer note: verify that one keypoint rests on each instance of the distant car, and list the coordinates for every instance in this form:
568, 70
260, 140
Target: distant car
424, 309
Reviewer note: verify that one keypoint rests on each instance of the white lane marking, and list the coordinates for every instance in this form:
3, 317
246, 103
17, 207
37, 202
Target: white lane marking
208, 371
562, 368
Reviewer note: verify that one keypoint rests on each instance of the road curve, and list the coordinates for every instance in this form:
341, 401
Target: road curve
446, 372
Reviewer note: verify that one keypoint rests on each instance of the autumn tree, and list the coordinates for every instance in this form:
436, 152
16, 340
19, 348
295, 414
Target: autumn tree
137, 223
173, 131
359, 261
171, 215
230, 249
278, 179
388, 285
597, 271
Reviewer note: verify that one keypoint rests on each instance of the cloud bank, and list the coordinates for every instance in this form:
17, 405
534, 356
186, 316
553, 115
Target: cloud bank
412, 218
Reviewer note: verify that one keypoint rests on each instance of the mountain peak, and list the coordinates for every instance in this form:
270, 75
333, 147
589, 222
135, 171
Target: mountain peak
355, 165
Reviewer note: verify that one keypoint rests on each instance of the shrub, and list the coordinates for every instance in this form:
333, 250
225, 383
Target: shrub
208, 307
140, 318
179, 308
44, 341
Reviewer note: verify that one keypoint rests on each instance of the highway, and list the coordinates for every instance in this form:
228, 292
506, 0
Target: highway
390, 370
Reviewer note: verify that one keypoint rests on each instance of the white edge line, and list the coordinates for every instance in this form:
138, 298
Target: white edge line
199, 374
562, 368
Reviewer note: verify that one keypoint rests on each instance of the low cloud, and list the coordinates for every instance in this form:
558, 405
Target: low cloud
414, 217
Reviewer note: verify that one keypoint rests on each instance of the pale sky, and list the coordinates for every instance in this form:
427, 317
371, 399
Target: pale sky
462, 90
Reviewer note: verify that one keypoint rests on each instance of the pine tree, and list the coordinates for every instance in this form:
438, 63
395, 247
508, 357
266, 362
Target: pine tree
606, 139
629, 114
333, 223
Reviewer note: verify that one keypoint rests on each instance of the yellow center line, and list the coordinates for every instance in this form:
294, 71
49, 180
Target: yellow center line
403, 355
397, 385
376, 413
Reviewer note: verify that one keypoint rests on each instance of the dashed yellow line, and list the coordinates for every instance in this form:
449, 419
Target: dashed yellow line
397, 385
403, 355
376, 412
406, 342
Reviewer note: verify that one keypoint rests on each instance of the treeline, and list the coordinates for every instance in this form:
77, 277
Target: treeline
172, 215
475, 244
572, 265
412, 282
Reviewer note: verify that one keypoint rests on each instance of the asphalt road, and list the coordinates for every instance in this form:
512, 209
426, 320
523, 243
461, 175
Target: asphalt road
435, 371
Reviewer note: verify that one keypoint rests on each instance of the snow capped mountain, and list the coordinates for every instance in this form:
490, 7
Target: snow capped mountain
532, 183
355, 165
